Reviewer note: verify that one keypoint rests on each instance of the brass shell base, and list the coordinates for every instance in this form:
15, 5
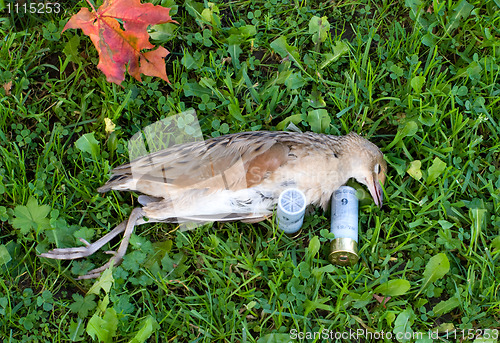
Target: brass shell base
343, 252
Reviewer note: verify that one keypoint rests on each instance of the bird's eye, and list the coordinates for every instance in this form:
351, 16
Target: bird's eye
377, 169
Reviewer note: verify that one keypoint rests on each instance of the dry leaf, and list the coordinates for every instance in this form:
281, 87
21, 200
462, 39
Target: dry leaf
7, 86
381, 299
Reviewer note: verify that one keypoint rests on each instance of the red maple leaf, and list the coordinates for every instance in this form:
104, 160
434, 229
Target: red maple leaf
119, 46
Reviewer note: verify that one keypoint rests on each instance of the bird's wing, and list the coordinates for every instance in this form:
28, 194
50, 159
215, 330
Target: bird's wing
232, 161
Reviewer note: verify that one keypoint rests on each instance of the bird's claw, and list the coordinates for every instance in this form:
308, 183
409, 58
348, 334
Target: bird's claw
95, 273
84, 241
69, 253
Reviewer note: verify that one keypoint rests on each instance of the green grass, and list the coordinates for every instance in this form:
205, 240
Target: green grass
420, 79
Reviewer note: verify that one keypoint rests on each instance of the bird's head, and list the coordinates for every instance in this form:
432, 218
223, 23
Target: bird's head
367, 165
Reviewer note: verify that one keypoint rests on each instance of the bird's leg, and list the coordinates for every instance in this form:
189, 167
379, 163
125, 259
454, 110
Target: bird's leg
88, 249
122, 249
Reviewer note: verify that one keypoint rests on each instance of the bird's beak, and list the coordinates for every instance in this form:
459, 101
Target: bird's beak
376, 192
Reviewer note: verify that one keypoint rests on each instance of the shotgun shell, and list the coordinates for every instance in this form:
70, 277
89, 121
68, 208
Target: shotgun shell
344, 225
291, 209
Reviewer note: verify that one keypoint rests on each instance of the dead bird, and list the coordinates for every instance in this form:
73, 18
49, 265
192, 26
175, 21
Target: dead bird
235, 177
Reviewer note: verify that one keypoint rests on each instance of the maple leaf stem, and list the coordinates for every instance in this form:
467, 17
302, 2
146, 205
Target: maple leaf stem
93, 8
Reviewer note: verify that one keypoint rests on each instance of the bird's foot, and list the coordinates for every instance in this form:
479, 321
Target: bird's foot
126, 226
87, 250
